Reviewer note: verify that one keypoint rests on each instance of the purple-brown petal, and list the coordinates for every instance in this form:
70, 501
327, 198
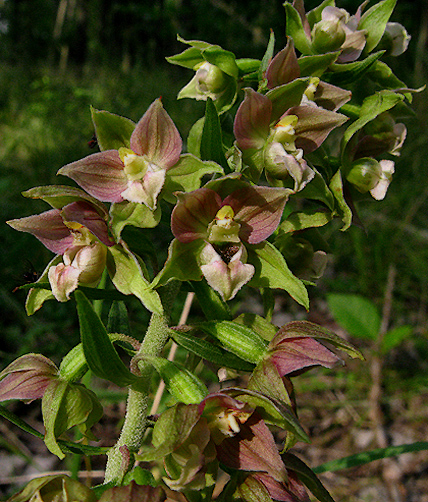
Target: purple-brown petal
284, 67
100, 174
84, 213
251, 127
156, 136
48, 227
258, 210
193, 213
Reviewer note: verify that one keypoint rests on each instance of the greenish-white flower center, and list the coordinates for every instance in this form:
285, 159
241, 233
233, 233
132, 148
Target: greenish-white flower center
223, 228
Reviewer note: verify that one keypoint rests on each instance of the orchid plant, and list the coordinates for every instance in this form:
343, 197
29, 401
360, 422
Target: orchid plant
244, 205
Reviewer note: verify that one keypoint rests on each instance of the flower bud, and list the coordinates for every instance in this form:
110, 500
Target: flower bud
211, 79
327, 36
365, 174
395, 39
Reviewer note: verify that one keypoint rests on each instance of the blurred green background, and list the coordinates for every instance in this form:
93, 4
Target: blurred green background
58, 57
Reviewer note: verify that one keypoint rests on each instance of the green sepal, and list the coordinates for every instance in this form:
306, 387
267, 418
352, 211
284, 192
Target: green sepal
247, 65
37, 296
372, 107
132, 213
236, 338
209, 351
271, 271
211, 147
248, 490
225, 60
64, 406
189, 58
112, 131
266, 380
127, 273
186, 175
309, 218
286, 96
180, 382
59, 196
273, 412
316, 65
343, 74
317, 189
73, 366
315, 15
140, 476
307, 477
295, 30
343, 210
181, 263
211, 302
374, 22
101, 356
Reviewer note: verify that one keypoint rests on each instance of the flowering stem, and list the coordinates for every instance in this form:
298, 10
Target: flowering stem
131, 436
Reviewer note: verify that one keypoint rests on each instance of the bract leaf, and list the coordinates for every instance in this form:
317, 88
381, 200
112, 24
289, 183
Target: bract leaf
210, 302
210, 352
347, 73
181, 383
37, 296
272, 271
189, 58
127, 274
238, 339
316, 65
100, 354
225, 60
356, 314
301, 220
112, 131
267, 57
295, 30
336, 186
132, 213
186, 175
211, 140
374, 22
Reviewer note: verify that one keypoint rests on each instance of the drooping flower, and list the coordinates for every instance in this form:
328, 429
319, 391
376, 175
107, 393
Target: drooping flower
247, 215
277, 140
135, 174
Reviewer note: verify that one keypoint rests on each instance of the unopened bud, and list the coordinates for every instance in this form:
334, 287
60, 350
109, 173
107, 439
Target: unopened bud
211, 79
365, 174
327, 36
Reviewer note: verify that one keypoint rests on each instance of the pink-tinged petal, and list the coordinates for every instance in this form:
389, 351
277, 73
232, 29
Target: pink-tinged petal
293, 354
85, 214
284, 67
251, 127
100, 174
63, 280
379, 191
292, 491
48, 227
156, 136
253, 449
90, 260
193, 213
314, 125
352, 47
258, 210
25, 386
145, 191
225, 278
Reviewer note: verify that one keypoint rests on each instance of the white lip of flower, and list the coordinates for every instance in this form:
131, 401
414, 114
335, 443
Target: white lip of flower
137, 166
81, 235
228, 422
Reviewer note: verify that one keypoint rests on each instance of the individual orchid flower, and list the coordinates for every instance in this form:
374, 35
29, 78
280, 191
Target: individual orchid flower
369, 175
284, 68
223, 227
135, 174
332, 30
278, 143
79, 234
395, 39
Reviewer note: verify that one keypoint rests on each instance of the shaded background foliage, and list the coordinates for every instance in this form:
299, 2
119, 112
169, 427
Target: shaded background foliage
58, 57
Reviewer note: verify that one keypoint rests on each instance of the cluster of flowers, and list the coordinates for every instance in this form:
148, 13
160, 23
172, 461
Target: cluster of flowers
260, 170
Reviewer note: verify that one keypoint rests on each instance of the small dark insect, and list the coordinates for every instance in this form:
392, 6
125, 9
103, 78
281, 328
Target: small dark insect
92, 143
29, 276
227, 251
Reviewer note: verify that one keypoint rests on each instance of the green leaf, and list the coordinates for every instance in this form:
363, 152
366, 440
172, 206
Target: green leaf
374, 22
186, 387
100, 354
236, 338
271, 271
186, 175
38, 295
267, 57
343, 74
258, 324
370, 456
295, 30
132, 213
113, 131
315, 66
286, 96
210, 302
336, 186
317, 189
315, 15
118, 320
194, 137
127, 274
181, 263
356, 314
248, 65
209, 351
225, 60
301, 220
307, 476
211, 140
395, 336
